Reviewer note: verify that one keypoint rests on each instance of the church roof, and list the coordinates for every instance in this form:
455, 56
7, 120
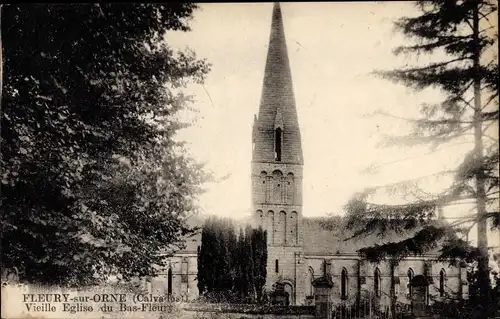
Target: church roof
329, 235
323, 236
277, 105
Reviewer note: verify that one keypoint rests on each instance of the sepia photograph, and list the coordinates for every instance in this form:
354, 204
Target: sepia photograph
250, 160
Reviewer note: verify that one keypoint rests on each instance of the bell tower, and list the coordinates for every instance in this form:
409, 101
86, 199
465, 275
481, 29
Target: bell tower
277, 164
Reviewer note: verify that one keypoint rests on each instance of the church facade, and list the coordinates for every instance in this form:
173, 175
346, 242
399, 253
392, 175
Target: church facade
298, 247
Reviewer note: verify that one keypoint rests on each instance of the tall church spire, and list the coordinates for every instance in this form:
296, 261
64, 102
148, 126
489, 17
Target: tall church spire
277, 165
277, 106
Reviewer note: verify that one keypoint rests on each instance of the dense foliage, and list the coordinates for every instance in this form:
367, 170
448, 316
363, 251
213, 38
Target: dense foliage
93, 181
470, 308
232, 268
468, 79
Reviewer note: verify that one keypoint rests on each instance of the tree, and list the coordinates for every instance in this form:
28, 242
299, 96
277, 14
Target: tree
208, 252
216, 265
259, 248
240, 283
206, 248
230, 267
249, 263
1, 55
225, 264
469, 81
94, 183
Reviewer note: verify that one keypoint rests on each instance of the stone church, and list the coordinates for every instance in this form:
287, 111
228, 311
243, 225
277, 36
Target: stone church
299, 248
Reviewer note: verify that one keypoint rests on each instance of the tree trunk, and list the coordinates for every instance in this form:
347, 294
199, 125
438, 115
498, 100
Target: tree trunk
480, 179
1, 59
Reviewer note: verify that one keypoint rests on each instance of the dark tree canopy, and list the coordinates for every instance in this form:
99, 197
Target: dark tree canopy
93, 182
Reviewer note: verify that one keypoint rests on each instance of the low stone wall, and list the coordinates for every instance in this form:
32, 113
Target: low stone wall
250, 311
218, 315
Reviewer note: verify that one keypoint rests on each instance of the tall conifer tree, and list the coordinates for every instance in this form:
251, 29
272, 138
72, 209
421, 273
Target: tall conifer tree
469, 80
259, 248
248, 258
227, 264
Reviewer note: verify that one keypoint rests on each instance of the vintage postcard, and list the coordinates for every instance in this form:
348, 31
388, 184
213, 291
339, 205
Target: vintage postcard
250, 160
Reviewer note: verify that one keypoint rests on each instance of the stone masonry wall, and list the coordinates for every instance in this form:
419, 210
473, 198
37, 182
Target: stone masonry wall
313, 264
183, 278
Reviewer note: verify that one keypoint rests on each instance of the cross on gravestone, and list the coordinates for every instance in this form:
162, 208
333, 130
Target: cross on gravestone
326, 263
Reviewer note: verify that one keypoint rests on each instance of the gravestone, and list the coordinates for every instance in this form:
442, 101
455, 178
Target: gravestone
323, 295
279, 296
419, 298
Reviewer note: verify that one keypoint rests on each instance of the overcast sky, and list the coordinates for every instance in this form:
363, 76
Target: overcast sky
332, 47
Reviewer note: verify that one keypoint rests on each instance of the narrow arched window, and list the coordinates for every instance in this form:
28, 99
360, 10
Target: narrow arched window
376, 282
343, 284
282, 228
277, 144
442, 279
294, 228
394, 280
309, 282
184, 271
169, 282
290, 189
410, 278
270, 227
276, 266
264, 188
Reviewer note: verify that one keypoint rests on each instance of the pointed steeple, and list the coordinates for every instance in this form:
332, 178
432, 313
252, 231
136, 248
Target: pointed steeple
277, 105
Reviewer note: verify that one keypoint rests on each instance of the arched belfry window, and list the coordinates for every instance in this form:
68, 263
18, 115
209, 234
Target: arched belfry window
270, 227
277, 143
